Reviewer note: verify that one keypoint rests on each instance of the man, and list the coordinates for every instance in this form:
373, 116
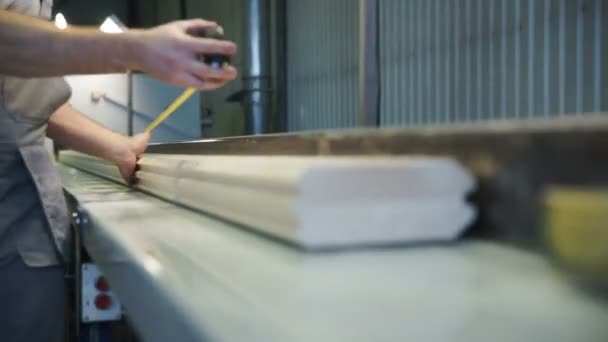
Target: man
34, 232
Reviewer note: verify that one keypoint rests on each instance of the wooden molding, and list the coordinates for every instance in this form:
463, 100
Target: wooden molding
313, 202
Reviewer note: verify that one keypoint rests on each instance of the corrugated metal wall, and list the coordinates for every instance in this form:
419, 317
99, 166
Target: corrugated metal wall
443, 61
446, 61
322, 53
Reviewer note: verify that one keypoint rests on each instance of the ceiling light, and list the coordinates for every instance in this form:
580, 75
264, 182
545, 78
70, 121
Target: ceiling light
112, 25
60, 21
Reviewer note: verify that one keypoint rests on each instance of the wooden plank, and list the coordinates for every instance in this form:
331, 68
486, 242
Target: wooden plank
315, 202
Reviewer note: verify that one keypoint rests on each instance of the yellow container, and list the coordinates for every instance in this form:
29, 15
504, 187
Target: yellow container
577, 229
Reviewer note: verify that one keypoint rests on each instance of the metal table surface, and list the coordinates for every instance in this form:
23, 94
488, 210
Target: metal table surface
185, 276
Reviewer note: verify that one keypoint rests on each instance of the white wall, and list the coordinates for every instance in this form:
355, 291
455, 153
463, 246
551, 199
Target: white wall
150, 98
107, 113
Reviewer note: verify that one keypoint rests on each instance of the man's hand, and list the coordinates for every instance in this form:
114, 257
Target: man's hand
172, 54
127, 155
73, 130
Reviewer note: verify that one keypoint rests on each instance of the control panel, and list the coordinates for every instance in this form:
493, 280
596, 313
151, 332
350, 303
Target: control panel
99, 303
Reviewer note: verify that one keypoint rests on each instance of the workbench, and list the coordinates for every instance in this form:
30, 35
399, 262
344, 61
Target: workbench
186, 276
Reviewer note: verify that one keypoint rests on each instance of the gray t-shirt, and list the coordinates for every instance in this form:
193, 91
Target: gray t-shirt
33, 213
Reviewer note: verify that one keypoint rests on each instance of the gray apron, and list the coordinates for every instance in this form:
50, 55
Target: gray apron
33, 212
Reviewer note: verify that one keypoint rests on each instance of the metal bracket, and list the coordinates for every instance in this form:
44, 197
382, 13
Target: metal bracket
369, 63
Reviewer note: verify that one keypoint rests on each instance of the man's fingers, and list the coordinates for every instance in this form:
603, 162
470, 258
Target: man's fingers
213, 85
127, 173
196, 25
139, 142
187, 80
193, 81
208, 46
206, 72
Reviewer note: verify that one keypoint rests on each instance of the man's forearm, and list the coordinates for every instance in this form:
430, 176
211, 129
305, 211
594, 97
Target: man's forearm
31, 47
73, 130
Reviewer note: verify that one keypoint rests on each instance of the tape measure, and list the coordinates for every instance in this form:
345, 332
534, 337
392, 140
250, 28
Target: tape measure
215, 61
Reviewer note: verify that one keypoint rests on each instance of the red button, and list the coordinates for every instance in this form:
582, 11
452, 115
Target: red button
103, 301
102, 284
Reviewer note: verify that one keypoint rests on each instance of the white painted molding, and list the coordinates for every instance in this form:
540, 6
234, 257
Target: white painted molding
314, 202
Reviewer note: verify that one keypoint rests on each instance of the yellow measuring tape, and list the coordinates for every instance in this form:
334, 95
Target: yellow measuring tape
171, 109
